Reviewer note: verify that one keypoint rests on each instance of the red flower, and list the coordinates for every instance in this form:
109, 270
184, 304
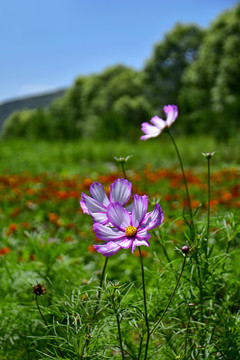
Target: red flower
5, 250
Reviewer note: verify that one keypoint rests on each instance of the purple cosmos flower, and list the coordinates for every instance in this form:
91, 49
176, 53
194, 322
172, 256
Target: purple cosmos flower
159, 124
129, 229
96, 204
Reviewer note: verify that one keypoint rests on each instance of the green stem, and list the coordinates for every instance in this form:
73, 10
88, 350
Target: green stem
164, 250
208, 213
184, 178
119, 331
123, 170
40, 311
186, 338
96, 308
171, 297
140, 348
145, 305
100, 288
45, 322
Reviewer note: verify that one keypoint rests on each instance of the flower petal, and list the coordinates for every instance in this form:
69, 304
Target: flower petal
129, 208
100, 217
106, 233
140, 204
98, 193
142, 234
153, 218
118, 216
158, 122
108, 249
171, 112
138, 243
90, 205
124, 243
120, 191
150, 131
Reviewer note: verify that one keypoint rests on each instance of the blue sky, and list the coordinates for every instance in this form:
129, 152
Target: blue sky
46, 44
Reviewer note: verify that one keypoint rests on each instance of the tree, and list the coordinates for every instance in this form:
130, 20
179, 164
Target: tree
163, 72
210, 95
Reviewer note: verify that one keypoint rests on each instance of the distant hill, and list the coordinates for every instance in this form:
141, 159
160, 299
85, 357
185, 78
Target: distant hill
32, 102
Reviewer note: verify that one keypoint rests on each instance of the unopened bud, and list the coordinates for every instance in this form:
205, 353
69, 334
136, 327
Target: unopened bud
122, 159
185, 249
39, 289
208, 155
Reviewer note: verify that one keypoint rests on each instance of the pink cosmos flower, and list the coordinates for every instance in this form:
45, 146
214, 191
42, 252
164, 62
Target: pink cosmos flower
159, 124
128, 230
96, 204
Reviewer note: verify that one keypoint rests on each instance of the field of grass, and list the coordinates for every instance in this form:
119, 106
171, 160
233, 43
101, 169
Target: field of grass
86, 158
192, 299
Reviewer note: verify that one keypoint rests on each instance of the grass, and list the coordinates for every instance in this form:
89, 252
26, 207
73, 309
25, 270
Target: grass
86, 158
46, 239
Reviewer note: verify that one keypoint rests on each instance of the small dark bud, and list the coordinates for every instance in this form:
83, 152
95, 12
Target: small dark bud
39, 289
185, 249
88, 336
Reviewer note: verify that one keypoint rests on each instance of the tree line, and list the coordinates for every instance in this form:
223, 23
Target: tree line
199, 70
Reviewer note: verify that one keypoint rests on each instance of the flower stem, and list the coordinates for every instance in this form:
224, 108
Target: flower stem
100, 288
119, 328
171, 297
45, 322
184, 178
123, 170
140, 348
164, 249
40, 311
85, 345
145, 305
208, 213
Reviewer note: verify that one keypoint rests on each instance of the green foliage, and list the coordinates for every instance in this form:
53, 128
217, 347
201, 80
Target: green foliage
30, 124
163, 72
209, 97
27, 103
201, 322
85, 156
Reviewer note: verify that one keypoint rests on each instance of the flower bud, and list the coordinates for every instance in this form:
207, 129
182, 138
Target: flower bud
185, 249
39, 289
208, 155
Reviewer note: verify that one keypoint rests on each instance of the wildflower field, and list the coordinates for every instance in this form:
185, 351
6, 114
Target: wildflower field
75, 282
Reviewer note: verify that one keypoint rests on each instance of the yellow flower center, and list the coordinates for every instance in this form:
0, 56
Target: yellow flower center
130, 231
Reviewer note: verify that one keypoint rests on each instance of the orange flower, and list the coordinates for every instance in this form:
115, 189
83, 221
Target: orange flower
68, 239
91, 249
13, 227
86, 183
15, 212
62, 194
70, 226
53, 217
195, 204
74, 194
30, 192
25, 225
5, 250
144, 253
32, 257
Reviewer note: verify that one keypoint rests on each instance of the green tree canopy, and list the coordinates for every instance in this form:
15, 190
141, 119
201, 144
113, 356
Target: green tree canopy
163, 71
210, 95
